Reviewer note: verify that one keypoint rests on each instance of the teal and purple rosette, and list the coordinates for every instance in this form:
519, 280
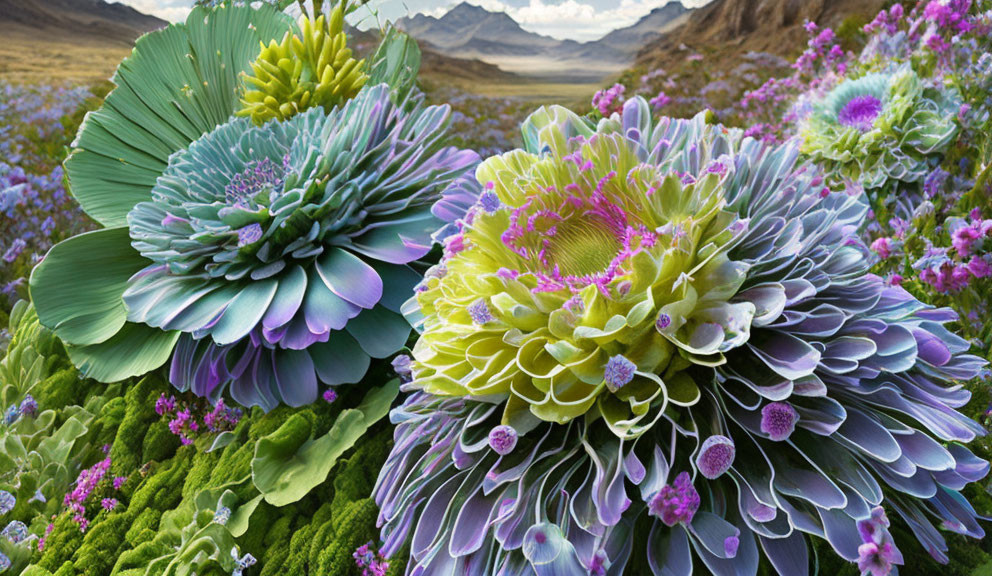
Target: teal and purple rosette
838, 405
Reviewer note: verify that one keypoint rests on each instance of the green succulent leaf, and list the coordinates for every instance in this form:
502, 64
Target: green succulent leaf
396, 62
179, 83
77, 288
288, 464
134, 350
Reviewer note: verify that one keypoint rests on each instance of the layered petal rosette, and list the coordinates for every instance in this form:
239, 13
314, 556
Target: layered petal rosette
879, 127
269, 258
281, 252
726, 393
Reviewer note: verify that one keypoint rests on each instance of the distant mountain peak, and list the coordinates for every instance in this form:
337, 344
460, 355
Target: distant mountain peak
471, 31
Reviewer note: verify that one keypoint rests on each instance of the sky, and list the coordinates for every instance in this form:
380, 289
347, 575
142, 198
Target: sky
572, 19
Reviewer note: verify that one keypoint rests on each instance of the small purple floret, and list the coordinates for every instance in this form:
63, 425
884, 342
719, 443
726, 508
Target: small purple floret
503, 439
249, 234
480, 313
676, 502
663, 321
330, 395
29, 406
715, 456
778, 420
489, 201
403, 366
860, 112
619, 372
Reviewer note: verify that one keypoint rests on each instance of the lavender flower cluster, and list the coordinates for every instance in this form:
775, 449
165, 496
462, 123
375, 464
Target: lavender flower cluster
36, 123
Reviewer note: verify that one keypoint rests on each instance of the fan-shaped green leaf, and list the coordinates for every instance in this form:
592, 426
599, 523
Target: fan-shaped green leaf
77, 288
134, 350
179, 83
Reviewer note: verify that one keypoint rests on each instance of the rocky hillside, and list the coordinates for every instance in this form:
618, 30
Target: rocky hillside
109, 22
731, 28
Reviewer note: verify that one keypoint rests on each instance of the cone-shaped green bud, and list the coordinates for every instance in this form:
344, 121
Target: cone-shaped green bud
302, 72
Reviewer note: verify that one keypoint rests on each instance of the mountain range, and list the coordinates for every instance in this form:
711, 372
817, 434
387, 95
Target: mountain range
471, 31
110, 22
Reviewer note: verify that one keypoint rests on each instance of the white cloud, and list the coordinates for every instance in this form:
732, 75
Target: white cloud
172, 10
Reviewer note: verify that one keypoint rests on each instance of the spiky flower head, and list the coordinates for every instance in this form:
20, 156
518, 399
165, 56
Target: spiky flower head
841, 397
314, 68
881, 126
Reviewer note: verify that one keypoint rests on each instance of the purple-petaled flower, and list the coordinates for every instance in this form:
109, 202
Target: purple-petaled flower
165, 405
503, 439
12, 414
14, 250
663, 322
403, 366
15, 532
980, 267
489, 201
619, 372
934, 182
676, 502
29, 407
222, 515
109, 503
119, 481
860, 112
660, 101
242, 563
715, 457
878, 553
249, 234
778, 420
882, 247
610, 100
480, 313
330, 395
7, 502
369, 562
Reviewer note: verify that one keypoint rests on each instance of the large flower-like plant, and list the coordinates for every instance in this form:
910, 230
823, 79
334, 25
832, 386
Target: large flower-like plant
263, 259
664, 335
879, 127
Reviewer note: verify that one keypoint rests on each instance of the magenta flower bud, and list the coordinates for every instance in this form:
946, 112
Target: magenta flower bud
778, 420
676, 502
715, 456
503, 439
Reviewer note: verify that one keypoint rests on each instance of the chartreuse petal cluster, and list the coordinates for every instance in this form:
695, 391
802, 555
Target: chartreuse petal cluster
312, 69
882, 126
264, 261
587, 279
655, 347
